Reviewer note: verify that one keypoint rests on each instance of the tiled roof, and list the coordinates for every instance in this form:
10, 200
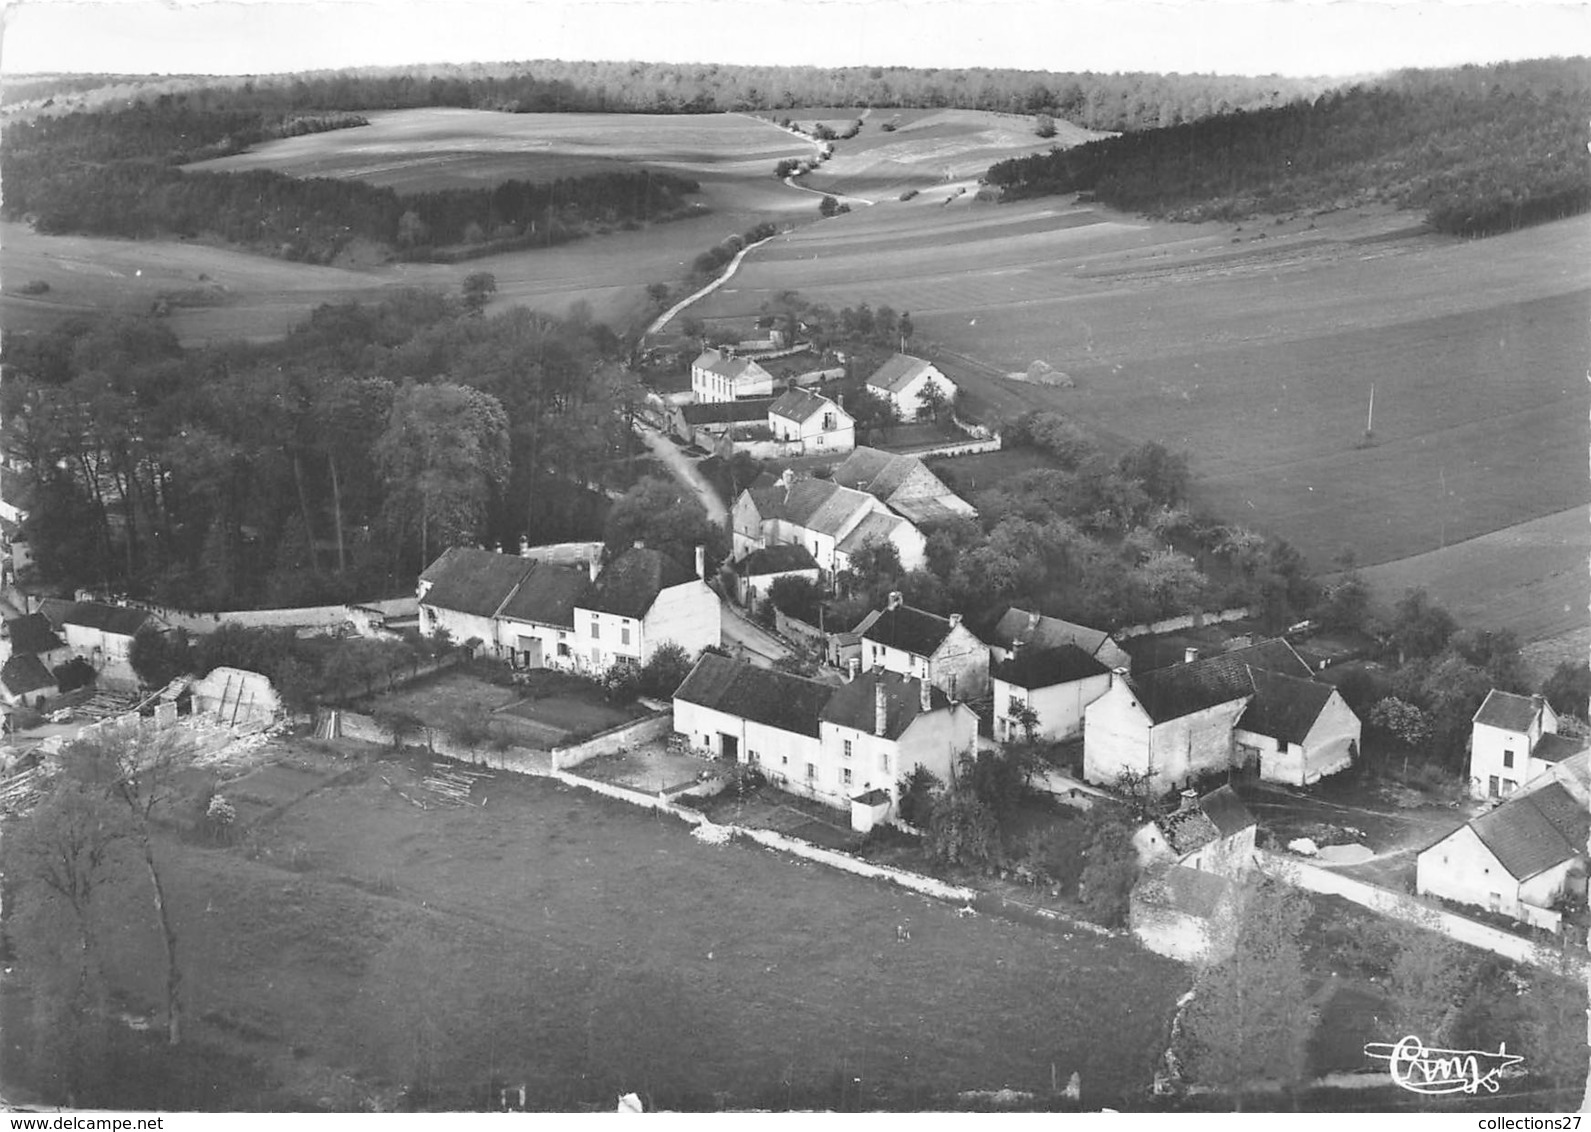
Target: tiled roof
861, 467
32, 634
1045, 668
1182, 689
1188, 829
631, 582
56, 609
467, 580
1507, 711
118, 620
927, 511
800, 405
853, 705
24, 673
1223, 807
549, 595
780, 559
1046, 632
1555, 748
1192, 891
817, 505
1284, 707
913, 630
1533, 832
727, 412
763, 695
897, 373
716, 362
877, 527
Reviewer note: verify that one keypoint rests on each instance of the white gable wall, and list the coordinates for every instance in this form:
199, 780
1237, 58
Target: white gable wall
687, 614
1117, 736
1461, 868
1060, 707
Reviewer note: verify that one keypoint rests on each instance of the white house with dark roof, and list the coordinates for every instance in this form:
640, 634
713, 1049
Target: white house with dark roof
821, 516
1517, 858
720, 376
463, 590
103, 635
1213, 833
809, 424
24, 679
913, 642
642, 600
876, 730
756, 573
1020, 628
901, 381
1513, 740
536, 624
1056, 683
903, 484
760, 716
1185, 720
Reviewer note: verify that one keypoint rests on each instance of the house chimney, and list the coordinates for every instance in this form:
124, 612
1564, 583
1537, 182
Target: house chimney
894, 600
1189, 655
1189, 800
788, 477
1010, 653
852, 666
640, 544
1033, 622
593, 568
880, 706
926, 689
701, 562
955, 619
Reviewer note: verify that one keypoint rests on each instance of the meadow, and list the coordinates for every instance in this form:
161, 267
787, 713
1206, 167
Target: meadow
1255, 347
354, 945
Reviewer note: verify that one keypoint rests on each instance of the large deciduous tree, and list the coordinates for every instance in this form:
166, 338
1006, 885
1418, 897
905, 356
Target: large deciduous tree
443, 455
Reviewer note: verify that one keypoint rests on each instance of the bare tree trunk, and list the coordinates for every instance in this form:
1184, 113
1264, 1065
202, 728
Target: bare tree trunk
303, 508
169, 935
337, 512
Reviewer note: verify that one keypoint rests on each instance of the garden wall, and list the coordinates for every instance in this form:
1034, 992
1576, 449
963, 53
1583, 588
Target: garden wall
1187, 621
613, 740
810, 636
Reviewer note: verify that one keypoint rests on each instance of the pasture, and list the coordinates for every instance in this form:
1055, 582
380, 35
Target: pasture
355, 945
1254, 347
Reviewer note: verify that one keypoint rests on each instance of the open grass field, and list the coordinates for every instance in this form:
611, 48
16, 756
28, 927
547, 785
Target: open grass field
1255, 348
356, 945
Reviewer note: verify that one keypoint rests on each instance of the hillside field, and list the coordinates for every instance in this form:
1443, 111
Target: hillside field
1254, 348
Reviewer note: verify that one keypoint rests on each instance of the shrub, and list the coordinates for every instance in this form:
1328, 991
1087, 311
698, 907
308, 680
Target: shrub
917, 791
73, 674
828, 206
962, 830
908, 194
1112, 869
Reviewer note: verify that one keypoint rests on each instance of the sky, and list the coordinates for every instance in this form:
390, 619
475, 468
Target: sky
1290, 37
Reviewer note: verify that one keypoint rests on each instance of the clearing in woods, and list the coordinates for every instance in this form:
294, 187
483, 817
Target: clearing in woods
1254, 348
356, 944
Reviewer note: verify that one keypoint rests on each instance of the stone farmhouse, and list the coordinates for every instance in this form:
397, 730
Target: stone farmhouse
1520, 857
901, 381
831, 521
1514, 739
913, 642
903, 484
756, 573
1057, 683
1213, 833
1256, 710
576, 618
1018, 627
807, 424
1179, 912
718, 375
847, 746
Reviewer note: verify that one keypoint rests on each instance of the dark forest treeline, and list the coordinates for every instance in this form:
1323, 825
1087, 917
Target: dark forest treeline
1478, 156
324, 466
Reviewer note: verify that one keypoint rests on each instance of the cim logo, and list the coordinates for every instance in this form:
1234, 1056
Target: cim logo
1434, 1072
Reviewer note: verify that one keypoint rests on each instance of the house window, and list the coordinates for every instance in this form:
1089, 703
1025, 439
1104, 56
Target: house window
1014, 707
847, 748
1508, 759
883, 761
828, 423
624, 635
754, 758
563, 649
784, 760
845, 775
812, 772
1508, 786
596, 629
1491, 786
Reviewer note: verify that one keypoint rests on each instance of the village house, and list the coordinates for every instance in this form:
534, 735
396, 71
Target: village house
756, 573
831, 521
916, 643
1213, 833
1057, 684
1253, 710
1518, 858
536, 623
24, 680
808, 424
641, 601
1184, 914
903, 484
718, 375
759, 716
1018, 627
1513, 740
876, 730
463, 590
103, 635
705, 424
901, 381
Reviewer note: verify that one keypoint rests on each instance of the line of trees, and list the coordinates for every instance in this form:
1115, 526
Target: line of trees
1478, 159
328, 465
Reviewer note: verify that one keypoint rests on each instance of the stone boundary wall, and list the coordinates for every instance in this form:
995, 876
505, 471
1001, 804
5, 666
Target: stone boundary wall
614, 739
1187, 621
809, 636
